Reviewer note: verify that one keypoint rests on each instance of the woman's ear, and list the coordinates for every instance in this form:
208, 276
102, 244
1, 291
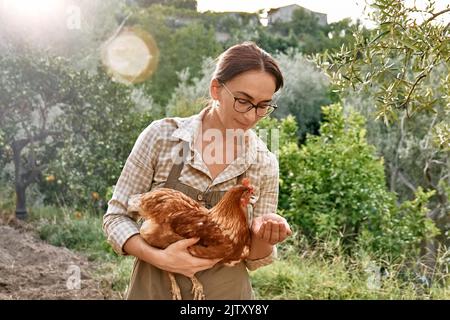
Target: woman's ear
214, 89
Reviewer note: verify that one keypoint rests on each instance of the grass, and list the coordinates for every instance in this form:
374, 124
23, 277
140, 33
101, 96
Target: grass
314, 278
302, 272
324, 272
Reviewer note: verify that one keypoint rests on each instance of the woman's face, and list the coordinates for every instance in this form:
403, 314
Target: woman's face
257, 87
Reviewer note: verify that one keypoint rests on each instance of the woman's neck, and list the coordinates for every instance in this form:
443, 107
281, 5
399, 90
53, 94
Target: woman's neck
231, 143
212, 120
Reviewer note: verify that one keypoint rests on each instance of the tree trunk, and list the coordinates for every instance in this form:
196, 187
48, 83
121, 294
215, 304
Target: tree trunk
21, 209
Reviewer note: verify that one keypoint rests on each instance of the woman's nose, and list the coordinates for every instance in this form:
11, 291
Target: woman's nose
250, 115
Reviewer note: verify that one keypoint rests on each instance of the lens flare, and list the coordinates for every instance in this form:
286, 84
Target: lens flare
31, 8
131, 56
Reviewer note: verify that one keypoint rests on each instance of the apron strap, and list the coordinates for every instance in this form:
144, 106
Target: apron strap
207, 198
176, 169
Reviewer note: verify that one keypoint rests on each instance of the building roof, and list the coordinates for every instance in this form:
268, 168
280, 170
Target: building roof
273, 10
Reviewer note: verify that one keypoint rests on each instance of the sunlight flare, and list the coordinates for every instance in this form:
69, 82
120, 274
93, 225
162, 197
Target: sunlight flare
31, 8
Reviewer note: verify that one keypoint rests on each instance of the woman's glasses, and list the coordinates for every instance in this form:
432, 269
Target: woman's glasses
243, 105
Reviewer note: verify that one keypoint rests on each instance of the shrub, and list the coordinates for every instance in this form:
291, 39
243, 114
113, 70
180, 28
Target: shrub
76, 230
333, 188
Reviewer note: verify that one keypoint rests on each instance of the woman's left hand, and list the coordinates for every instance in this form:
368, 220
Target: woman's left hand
271, 228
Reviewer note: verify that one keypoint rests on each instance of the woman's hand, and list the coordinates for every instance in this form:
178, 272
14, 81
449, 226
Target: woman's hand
177, 259
271, 228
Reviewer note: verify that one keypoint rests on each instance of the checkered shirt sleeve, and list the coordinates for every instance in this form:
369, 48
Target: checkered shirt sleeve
267, 203
136, 177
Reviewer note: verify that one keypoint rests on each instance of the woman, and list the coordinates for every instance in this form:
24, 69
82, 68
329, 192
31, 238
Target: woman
242, 88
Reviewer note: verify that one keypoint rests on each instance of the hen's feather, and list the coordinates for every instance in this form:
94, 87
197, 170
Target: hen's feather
170, 215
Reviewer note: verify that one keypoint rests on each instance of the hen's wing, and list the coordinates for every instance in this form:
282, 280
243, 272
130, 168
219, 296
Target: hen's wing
156, 208
163, 202
213, 243
171, 215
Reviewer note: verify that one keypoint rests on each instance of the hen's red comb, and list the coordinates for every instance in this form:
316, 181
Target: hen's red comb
246, 182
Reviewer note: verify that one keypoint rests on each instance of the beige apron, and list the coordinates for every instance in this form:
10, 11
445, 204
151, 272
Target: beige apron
219, 283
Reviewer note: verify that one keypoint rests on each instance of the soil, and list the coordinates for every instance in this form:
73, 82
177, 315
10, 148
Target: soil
33, 269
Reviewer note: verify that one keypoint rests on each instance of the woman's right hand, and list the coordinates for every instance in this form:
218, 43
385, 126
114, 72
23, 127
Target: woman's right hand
177, 259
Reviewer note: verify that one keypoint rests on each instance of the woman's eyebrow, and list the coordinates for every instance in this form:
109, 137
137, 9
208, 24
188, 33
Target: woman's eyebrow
251, 98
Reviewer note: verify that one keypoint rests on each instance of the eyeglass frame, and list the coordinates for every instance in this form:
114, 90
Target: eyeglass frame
273, 105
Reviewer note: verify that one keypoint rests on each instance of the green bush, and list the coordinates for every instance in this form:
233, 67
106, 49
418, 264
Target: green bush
401, 230
333, 188
282, 139
76, 230
305, 90
86, 167
71, 130
339, 183
183, 42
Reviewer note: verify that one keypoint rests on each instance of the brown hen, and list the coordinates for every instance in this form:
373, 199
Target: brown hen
170, 215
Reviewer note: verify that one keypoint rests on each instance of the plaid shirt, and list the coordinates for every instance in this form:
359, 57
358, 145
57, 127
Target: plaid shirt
152, 157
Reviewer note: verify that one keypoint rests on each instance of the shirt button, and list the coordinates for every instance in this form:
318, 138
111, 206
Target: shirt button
200, 197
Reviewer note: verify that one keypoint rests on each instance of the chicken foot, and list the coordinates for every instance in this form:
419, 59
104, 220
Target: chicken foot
176, 293
197, 289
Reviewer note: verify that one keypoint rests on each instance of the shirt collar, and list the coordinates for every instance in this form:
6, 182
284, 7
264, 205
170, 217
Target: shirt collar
188, 129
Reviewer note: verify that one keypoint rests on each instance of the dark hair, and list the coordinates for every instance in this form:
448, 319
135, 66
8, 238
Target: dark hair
243, 57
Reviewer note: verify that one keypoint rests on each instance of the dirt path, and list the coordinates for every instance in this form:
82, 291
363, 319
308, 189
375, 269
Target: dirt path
33, 269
